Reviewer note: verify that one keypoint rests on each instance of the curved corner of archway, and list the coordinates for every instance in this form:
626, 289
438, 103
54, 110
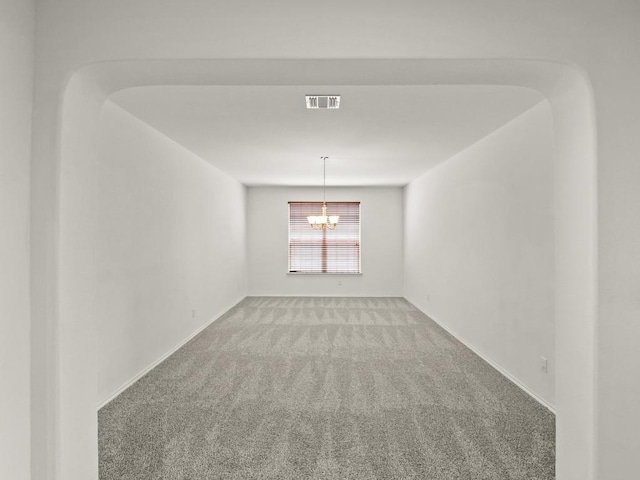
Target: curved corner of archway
76, 452
576, 222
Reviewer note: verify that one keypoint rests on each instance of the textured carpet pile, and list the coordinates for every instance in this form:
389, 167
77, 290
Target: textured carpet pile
325, 388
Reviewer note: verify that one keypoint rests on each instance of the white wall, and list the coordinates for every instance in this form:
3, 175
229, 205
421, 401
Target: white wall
479, 248
16, 100
170, 239
73, 34
70, 424
381, 243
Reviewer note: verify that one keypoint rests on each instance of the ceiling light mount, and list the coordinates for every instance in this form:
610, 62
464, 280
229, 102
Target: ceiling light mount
323, 101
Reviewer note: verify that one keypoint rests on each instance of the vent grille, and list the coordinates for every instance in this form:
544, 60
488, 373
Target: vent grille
323, 101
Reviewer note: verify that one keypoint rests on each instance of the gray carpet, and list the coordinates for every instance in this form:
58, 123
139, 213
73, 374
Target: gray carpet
325, 388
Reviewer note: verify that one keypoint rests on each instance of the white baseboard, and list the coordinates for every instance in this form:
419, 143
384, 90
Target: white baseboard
490, 361
313, 295
154, 364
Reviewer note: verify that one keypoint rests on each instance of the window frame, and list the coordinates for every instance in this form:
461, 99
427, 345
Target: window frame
319, 205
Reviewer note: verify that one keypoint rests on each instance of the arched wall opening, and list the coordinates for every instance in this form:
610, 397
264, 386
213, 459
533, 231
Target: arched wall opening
72, 432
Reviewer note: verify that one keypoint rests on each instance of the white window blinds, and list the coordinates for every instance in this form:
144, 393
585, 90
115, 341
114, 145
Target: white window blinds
324, 251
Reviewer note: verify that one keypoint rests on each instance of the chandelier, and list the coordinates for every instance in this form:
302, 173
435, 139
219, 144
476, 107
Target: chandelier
324, 221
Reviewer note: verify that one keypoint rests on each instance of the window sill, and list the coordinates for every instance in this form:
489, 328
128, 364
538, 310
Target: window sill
327, 274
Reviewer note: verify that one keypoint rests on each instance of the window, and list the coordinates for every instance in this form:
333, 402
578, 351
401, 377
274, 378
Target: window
324, 251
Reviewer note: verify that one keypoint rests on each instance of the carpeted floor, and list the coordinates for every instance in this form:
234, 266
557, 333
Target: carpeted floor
325, 388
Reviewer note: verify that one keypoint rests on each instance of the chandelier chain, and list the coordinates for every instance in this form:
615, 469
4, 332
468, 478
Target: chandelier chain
323, 221
324, 178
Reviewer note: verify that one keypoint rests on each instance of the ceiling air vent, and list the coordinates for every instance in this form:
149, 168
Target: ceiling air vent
323, 101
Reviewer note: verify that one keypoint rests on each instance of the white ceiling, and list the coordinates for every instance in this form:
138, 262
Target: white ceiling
381, 135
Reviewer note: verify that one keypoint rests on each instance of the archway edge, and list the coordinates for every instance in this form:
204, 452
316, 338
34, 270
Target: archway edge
72, 428
541, 75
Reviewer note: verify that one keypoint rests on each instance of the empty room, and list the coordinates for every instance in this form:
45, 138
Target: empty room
320, 361
351, 240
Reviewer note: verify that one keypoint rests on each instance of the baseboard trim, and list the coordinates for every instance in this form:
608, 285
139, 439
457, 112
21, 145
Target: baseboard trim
342, 295
157, 362
490, 361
